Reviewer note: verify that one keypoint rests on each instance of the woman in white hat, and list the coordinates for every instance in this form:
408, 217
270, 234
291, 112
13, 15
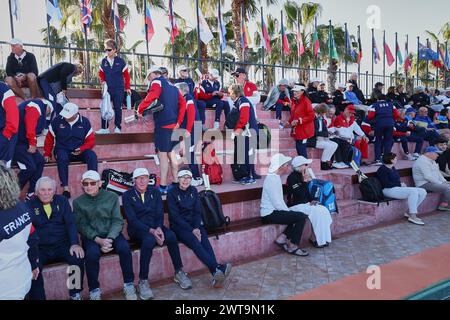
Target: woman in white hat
301, 200
275, 211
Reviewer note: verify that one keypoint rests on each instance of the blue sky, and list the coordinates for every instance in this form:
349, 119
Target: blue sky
402, 16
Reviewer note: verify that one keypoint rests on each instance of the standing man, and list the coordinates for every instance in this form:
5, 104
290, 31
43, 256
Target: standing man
58, 236
166, 121
21, 70
72, 138
9, 123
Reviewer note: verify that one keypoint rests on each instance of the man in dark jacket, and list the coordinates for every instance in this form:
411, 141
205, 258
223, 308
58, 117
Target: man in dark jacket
21, 70
58, 237
359, 94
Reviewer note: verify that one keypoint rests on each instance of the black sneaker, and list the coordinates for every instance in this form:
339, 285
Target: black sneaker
325, 166
66, 194
256, 176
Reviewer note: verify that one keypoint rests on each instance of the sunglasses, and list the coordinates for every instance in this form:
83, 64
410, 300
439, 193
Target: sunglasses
109, 50
92, 183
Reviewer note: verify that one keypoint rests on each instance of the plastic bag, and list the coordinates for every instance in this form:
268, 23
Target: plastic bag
61, 98
106, 108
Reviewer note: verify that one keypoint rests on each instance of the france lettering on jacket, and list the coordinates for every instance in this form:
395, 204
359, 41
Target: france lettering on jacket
13, 222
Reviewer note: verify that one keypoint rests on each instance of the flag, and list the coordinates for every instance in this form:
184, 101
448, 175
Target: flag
316, 43
245, 39
387, 52
447, 59
53, 11
360, 52
398, 53
376, 53
205, 32
407, 64
173, 24
300, 45
86, 13
349, 48
148, 22
332, 45
265, 36
285, 42
221, 29
439, 62
426, 53
119, 24
15, 8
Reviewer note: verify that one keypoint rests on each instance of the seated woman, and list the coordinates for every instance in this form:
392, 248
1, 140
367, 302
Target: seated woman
299, 199
274, 209
185, 217
393, 188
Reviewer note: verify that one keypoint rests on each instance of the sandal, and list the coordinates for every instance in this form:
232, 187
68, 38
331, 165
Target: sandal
296, 252
281, 245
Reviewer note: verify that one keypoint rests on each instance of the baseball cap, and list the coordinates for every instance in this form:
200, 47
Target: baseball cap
351, 108
410, 110
15, 41
140, 172
314, 79
182, 68
214, 73
90, 174
379, 84
298, 88
183, 173
153, 69
299, 161
283, 82
349, 84
341, 85
69, 110
163, 70
239, 71
432, 149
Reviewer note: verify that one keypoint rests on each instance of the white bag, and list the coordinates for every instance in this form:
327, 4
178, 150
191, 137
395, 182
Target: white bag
106, 108
61, 98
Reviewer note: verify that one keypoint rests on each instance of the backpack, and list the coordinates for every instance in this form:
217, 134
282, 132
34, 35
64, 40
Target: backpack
354, 154
214, 171
264, 134
119, 182
323, 191
371, 190
232, 118
239, 171
212, 214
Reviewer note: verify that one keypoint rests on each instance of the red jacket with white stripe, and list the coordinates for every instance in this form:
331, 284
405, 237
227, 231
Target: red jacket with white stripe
9, 113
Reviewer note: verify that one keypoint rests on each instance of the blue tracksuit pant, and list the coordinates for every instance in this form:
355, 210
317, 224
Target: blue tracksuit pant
220, 105
31, 166
201, 109
117, 101
63, 158
383, 141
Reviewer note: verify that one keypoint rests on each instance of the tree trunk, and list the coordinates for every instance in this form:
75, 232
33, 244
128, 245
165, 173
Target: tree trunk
409, 86
236, 18
108, 24
204, 64
332, 72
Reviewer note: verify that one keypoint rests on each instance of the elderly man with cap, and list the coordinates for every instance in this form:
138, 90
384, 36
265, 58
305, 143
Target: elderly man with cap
144, 212
426, 174
55, 225
71, 138
166, 121
354, 80
339, 100
420, 98
9, 123
301, 120
275, 211
350, 96
100, 223
21, 70
185, 217
211, 94
313, 85
321, 96
278, 97
33, 115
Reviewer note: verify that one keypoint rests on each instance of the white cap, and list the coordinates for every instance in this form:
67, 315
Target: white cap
314, 79
140, 172
90, 174
298, 88
277, 161
341, 85
183, 173
214, 73
153, 69
69, 110
182, 68
15, 41
299, 161
283, 82
349, 84
447, 89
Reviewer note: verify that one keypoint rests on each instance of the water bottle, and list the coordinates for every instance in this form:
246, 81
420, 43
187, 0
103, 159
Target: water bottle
128, 102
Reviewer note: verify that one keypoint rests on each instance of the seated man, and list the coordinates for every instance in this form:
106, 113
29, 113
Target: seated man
185, 216
321, 95
339, 100
55, 80
350, 96
359, 94
145, 216
9, 123
377, 90
404, 132
58, 237
250, 89
73, 140
211, 94
278, 98
420, 98
426, 175
322, 138
421, 120
33, 115
21, 70
444, 157
99, 221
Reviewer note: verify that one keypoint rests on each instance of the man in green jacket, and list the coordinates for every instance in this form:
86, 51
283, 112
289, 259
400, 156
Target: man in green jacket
97, 213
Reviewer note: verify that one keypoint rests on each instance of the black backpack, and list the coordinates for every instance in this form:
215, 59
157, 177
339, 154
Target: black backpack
212, 214
371, 190
263, 135
232, 118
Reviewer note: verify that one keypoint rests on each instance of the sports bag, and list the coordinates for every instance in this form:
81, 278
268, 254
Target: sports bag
119, 182
263, 135
371, 190
323, 192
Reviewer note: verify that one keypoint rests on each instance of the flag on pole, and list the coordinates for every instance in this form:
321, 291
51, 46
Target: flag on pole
398, 53
265, 36
205, 32
300, 45
221, 29
86, 13
349, 48
426, 53
15, 8
439, 62
447, 59
332, 45
53, 11
407, 64
285, 42
316, 43
389, 57
119, 24
148, 22
360, 52
376, 53
173, 24
245, 39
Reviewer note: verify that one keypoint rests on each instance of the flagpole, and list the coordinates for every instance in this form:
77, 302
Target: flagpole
346, 46
330, 44
317, 56
87, 54
146, 32
373, 52
262, 47
360, 49
49, 38
243, 23
282, 46
437, 69
406, 56
384, 56
396, 64
11, 19
199, 45
428, 64
114, 23
418, 59
298, 49
220, 45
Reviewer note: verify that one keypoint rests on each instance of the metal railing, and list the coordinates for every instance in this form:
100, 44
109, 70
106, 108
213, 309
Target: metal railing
264, 75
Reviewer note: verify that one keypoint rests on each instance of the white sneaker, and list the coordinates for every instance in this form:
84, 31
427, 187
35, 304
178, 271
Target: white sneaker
196, 182
416, 155
117, 130
416, 221
102, 131
410, 157
339, 165
216, 125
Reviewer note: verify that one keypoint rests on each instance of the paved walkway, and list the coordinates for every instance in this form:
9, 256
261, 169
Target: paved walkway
282, 276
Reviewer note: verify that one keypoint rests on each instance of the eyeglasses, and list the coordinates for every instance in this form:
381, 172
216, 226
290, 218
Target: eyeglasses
92, 183
108, 50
